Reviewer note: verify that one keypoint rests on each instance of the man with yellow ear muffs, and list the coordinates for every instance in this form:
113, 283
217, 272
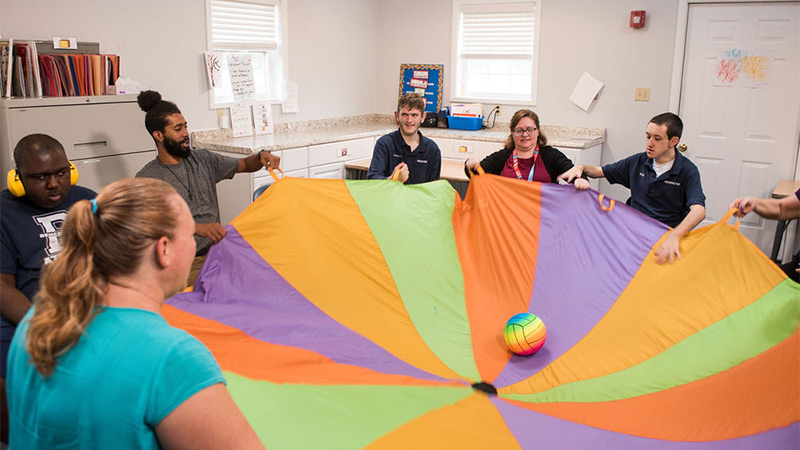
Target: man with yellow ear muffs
40, 191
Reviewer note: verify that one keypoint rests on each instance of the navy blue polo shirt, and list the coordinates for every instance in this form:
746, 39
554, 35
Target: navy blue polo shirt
424, 163
666, 198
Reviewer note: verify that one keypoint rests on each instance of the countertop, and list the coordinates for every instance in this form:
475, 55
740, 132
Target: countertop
303, 134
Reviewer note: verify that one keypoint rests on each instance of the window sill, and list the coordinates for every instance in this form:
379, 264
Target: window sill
495, 101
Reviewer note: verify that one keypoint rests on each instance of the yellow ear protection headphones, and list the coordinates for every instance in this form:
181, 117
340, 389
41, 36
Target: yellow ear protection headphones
16, 188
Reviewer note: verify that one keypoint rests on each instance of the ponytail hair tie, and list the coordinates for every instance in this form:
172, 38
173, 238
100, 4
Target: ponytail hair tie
94, 205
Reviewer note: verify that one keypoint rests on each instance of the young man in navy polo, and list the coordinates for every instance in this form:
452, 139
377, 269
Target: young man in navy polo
664, 184
416, 157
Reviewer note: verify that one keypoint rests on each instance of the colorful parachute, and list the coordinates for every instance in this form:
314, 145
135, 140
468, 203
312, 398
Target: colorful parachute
350, 314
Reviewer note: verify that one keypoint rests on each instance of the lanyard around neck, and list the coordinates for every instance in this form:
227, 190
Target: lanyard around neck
515, 162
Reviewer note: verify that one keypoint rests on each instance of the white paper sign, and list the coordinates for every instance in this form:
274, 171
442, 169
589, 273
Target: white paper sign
240, 67
289, 104
585, 91
262, 118
241, 120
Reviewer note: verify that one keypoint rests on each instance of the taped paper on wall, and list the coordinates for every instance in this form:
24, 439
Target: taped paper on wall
585, 91
241, 120
262, 118
290, 104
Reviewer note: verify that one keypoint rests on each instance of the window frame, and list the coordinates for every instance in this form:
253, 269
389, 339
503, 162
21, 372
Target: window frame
455, 55
281, 58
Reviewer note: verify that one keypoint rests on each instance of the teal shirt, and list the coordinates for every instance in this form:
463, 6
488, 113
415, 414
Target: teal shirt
126, 374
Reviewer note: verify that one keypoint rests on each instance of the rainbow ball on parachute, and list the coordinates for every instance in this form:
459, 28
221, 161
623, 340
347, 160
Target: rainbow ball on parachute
525, 334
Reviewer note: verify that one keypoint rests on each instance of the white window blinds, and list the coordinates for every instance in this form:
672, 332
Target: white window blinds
248, 36
244, 25
506, 30
495, 50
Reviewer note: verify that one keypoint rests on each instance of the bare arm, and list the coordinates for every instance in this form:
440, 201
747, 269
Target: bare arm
15, 303
208, 419
670, 247
578, 170
593, 171
257, 161
768, 208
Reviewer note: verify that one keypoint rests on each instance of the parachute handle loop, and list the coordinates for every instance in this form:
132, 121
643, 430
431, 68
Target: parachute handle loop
611, 203
728, 216
274, 175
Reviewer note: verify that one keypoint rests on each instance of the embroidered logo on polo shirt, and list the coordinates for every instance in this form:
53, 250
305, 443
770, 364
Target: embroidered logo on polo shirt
674, 183
398, 156
422, 161
641, 174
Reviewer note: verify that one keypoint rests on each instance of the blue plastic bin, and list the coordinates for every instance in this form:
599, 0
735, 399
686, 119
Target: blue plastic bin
465, 123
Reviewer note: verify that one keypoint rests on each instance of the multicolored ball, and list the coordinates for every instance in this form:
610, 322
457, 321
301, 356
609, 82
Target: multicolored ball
525, 334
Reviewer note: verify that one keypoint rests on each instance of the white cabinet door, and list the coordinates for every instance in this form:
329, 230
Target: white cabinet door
589, 155
333, 171
340, 151
294, 159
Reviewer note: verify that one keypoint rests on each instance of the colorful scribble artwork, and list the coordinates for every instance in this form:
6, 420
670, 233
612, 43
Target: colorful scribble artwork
213, 68
743, 68
756, 68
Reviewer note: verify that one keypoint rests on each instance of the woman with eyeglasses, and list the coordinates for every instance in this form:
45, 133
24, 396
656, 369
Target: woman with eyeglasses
525, 155
94, 364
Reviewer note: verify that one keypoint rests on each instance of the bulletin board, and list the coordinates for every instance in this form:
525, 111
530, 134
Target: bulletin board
424, 79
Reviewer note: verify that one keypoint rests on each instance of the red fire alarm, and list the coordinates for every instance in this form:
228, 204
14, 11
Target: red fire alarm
637, 19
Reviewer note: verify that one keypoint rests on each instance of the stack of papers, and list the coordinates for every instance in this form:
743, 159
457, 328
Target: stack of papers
466, 110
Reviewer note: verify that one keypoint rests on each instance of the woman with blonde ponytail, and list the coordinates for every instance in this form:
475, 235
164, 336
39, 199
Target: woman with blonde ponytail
94, 364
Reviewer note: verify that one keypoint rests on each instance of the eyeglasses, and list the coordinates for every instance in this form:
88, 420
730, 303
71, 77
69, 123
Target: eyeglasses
521, 131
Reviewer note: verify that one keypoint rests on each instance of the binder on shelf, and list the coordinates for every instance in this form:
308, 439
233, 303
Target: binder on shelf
6, 67
36, 69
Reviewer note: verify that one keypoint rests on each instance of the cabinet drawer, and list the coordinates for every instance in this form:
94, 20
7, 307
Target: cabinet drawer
464, 149
86, 130
332, 171
292, 159
340, 151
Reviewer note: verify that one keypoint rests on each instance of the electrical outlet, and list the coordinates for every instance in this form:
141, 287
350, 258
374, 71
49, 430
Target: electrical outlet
642, 95
498, 110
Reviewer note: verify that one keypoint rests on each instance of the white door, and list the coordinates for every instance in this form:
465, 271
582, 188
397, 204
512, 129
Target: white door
743, 139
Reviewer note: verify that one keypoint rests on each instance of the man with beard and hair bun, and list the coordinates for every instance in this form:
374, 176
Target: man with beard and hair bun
194, 173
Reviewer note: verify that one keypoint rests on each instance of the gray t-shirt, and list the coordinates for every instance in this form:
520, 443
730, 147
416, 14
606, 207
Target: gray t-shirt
195, 178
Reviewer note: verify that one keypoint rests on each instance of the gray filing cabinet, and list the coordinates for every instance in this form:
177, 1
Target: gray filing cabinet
103, 135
